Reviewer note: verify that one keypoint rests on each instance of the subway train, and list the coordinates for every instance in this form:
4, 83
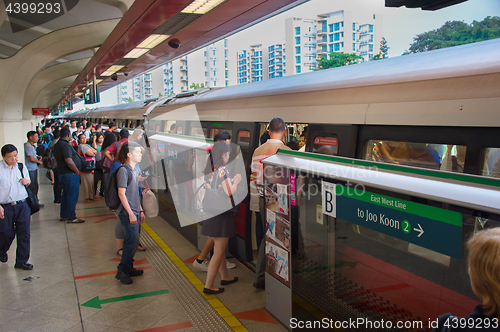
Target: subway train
437, 110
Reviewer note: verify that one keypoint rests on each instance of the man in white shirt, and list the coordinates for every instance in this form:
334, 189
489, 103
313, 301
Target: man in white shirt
15, 213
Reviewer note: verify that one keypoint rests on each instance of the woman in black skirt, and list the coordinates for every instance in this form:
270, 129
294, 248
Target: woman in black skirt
220, 227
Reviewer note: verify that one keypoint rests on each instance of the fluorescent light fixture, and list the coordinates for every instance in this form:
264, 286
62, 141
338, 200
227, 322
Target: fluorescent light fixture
111, 70
201, 6
136, 53
98, 81
152, 41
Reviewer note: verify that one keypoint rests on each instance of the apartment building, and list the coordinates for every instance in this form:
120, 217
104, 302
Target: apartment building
300, 41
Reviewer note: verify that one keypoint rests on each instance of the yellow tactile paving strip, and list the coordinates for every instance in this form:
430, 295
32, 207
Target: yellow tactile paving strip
230, 319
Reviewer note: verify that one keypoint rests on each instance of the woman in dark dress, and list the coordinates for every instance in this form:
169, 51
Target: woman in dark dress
484, 273
222, 226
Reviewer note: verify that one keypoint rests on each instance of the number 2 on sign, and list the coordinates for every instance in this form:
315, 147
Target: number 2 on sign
406, 226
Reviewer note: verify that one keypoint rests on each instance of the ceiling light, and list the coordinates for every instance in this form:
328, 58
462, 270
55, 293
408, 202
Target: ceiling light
98, 81
201, 6
152, 41
136, 53
111, 70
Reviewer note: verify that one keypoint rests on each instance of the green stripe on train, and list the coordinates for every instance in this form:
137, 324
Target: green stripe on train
431, 173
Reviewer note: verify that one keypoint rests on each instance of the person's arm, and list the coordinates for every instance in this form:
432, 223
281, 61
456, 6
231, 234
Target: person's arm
34, 160
230, 188
94, 144
25, 180
72, 165
126, 206
90, 152
107, 154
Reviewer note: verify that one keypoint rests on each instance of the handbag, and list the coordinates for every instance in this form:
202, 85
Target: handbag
49, 162
149, 203
216, 202
90, 163
32, 200
83, 163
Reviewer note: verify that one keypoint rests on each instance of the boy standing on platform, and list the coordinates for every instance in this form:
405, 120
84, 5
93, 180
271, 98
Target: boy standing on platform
129, 212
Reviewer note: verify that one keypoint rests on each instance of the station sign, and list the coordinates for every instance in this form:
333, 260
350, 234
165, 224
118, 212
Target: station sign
428, 226
40, 111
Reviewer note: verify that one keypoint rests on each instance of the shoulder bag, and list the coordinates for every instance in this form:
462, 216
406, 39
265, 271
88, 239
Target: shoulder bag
149, 202
216, 201
31, 200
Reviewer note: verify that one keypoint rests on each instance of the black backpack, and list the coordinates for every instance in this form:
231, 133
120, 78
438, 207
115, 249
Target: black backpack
111, 188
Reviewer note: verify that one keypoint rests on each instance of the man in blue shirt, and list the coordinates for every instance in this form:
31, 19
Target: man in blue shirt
32, 161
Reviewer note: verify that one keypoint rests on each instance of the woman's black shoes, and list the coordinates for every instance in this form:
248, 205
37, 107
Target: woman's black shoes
211, 292
228, 282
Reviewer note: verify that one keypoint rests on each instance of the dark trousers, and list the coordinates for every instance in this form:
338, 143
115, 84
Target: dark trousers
57, 187
260, 267
34, 182
16, 222
70, 189
97, 178
130, 241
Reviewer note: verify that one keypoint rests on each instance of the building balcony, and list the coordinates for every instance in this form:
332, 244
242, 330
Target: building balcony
321, 32
322, 41
311, 44
183, 78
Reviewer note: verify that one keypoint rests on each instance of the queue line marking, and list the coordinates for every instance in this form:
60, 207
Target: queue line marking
230, 319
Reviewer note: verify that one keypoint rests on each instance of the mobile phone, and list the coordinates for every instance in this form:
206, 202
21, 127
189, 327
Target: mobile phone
145, 174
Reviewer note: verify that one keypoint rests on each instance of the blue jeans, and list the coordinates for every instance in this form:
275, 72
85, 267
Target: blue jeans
16, 222
70, 189
130, 241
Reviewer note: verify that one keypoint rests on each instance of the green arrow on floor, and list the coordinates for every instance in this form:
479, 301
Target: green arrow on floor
96, 303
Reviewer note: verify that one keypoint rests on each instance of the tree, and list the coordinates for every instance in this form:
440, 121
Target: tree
336, 59
129, 100
384, 50
160, 94
196, 86
454, 33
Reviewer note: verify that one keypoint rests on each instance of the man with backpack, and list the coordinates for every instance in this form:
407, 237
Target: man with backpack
129, 211
32, 161
46, 137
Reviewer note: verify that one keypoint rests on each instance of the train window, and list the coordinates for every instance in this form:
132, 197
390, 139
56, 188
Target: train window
197, 132
445, 157
491, 163
214, 131
243, 139
326, 145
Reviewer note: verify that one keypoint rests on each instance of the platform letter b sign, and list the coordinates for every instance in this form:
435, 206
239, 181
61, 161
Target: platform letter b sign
329, 199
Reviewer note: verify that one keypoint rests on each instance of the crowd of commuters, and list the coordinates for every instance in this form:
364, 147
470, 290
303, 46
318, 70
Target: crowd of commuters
82, 153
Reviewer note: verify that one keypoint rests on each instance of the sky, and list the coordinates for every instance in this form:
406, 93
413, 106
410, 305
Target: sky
400, 25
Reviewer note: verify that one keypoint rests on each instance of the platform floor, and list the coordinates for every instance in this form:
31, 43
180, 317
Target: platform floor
72, 286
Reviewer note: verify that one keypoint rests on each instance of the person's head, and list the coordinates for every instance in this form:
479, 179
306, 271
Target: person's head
65, 133
277, 128
80, 128
73, 123
84, 122
173, 127
112, 126
56, 134
46, 130
302, 141
32, 136
82, 139
124, 133
219, 157
222, 136
136, 135
9, 154
130, 152
99, 138
484, 268
98, 128
109, 138
88, 126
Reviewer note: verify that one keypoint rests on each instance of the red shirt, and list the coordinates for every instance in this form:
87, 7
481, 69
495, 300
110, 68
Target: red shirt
112, 148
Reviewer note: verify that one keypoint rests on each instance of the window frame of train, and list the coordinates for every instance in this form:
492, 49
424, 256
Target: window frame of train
437, 208
345, 135
475, 139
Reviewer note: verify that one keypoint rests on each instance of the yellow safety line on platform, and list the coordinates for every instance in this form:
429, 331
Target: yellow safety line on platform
230, 319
